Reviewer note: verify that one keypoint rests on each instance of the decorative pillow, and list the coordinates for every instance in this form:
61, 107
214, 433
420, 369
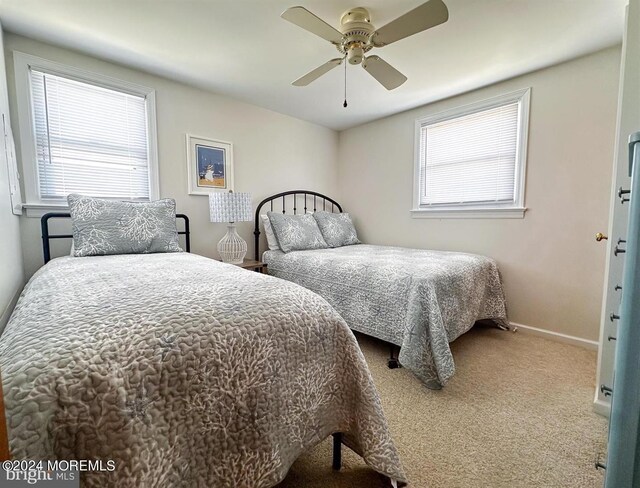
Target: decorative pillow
337, 229
296, 232
110, 227
268, 231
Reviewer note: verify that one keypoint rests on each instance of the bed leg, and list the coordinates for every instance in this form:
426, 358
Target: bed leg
392, 363
337, 451
511, 328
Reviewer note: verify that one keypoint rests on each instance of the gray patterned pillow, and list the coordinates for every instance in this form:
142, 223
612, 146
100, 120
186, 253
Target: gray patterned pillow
296, 232
110, 227
337, 229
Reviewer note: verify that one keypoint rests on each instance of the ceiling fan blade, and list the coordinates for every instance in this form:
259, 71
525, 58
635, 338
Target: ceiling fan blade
427, 15
311, 22
387, 75
318, 72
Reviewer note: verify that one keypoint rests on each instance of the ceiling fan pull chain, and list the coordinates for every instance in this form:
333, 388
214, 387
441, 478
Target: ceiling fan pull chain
345, 86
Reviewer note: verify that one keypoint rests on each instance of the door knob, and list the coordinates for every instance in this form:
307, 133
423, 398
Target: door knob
600, 236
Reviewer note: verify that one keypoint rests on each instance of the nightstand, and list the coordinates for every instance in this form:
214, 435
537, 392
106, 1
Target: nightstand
254, 265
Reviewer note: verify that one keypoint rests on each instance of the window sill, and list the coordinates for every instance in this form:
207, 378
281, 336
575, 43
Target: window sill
37, 210
469, 213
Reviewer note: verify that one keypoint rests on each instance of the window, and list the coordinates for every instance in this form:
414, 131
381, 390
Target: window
87, 134
470, 162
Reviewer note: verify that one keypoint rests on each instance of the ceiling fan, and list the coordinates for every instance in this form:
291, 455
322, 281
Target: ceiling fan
357, 36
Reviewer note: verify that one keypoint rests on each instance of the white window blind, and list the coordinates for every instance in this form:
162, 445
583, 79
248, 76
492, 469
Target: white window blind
89, 139
470, 159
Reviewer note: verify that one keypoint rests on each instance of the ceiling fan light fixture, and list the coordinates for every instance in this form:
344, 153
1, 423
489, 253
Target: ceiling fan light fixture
355, 55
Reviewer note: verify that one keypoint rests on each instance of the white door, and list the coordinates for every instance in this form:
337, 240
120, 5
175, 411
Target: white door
628, 122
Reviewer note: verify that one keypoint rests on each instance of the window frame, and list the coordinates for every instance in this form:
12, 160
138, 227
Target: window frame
515, 209
23, 63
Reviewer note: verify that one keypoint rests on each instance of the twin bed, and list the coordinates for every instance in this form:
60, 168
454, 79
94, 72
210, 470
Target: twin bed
189, 372
184, 371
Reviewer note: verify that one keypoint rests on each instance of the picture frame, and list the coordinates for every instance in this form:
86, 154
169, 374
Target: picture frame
209, 165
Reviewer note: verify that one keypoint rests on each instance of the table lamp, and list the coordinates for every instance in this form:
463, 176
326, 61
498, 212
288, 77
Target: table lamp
231, 208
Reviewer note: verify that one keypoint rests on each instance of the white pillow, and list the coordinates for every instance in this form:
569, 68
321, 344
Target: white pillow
268, 231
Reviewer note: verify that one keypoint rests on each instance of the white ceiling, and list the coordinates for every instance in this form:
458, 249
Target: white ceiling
243, 49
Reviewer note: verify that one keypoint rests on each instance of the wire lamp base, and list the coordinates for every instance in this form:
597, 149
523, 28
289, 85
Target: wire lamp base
232, 248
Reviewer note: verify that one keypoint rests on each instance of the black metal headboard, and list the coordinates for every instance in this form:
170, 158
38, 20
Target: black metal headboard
312, 201
46, 236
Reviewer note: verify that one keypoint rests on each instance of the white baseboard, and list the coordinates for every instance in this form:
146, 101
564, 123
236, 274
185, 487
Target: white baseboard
602, 408
557, 336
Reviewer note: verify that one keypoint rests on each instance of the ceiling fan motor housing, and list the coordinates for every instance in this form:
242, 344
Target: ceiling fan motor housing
357, 31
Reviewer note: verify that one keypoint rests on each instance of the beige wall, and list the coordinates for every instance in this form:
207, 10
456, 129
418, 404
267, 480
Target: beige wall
11, 271
272, 152
551, 265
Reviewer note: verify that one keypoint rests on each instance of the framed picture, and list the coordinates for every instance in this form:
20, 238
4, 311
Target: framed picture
209, 165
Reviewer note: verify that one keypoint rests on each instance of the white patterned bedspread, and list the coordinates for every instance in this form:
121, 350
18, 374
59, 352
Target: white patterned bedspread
185, 372
420, 300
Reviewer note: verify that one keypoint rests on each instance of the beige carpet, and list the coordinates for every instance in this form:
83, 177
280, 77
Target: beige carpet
517, 413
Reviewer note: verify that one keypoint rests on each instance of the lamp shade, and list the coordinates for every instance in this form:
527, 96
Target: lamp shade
230, 207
